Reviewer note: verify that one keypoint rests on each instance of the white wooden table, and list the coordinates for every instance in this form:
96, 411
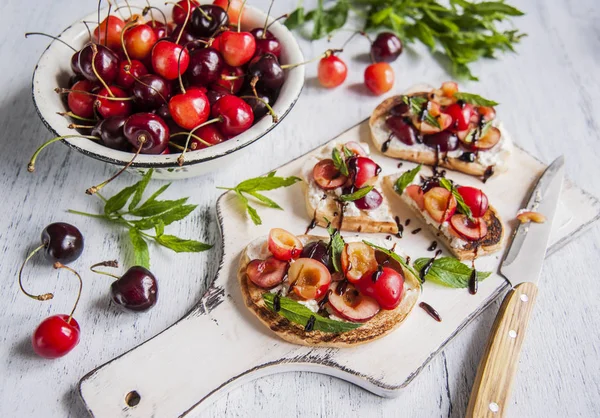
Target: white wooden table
551, 101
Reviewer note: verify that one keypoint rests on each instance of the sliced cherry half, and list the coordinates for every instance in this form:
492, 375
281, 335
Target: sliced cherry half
385, 285
444, 120
358, 259
353, 306
488, 113
402, 129
327, 176
319, 251
268, 273
415, 192
470, 230
475, 199
371, 201
365, 171
440, 204
489, 140
444, 141
460, 114
284, 245
310, 278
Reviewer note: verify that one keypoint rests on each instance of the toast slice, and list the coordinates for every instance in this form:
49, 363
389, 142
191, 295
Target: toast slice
486, 163
461, 249
384, 322
323, 206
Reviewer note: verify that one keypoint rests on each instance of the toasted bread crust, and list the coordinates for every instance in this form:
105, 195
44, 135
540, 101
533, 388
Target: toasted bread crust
423, 157
380, 325
491, 243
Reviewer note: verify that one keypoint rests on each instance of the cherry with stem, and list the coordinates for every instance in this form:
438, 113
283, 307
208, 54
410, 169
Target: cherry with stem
31, 165
181, 157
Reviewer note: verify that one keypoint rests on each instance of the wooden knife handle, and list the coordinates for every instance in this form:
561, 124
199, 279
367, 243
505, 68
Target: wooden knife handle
491, 390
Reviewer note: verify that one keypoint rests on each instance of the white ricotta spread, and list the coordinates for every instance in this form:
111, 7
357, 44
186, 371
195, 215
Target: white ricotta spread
311, 304
315, 193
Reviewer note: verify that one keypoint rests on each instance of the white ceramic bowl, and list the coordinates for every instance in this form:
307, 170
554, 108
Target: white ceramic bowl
53, 70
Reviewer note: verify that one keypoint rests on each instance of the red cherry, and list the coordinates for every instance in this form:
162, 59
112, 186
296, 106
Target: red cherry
461, 115
385, 286
127, 72
139, 41
364, 169
209, 134
234, 8
230, 80
235, 114
169, 59
216, 43
108, 107
82, 104
332, 71
189, 109
150, 129
475, 199
237, 47
327, 175
180, 10
111, 26
55, 336
379, 77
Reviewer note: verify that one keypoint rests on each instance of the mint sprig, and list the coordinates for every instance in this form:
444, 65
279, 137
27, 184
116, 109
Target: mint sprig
474, 99
300, 314
449, 271
415, 104
448, 185
395, 256
359, 194
253, 186
336, 247
406, 178
143, 216
339, 162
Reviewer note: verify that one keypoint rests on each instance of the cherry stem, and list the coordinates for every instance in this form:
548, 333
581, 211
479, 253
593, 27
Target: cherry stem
269, 108
149, 7
327, 54
59, 265
187, 18
106, 28
45, 296
116, 99
177, 146
88, 30
180, 159
159, 11
285, 16
127, 70
264, 34
109, 263
50, 36
94, 189
99, 6
76, 126
74, 116
240, 15
31, 165
125, 29
186, 134
350, 38
94, 53
179, 67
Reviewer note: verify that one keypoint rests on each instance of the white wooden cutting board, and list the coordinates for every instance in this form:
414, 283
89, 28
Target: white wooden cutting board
219, 344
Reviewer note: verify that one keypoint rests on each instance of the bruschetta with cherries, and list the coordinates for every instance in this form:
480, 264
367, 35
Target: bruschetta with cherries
343, 187
320, 291
442, 127
461, 216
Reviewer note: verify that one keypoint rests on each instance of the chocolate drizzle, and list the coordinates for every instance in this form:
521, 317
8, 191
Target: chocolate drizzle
432, 312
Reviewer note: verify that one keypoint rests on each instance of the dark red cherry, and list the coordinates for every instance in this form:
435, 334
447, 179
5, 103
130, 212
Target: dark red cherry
160, 29
163, 112
402, 129
258, 106
151, 92
136, 290
149, 129
401, 109
205, 66
108, 106
445, 141
230, 81
106, 63
205, 24
79, 102
268, 71
129, 72
214, 95
268, 44
181, 10
235, 114
386, 47
110, 131
210, 135
75, 63
372, 200
318, 250
62, 242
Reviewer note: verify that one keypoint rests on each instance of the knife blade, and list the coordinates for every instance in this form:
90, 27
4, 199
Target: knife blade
521, 266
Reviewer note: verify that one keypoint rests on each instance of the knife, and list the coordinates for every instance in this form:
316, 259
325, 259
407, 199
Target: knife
521, 267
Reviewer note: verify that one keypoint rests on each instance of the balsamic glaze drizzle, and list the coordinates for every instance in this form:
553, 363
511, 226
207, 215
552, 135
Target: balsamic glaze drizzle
400, 227
416, 231
407, 222
489, 172
432, 312
433, 246
310, 324
341, 287
277, 303
400, 164
473, 282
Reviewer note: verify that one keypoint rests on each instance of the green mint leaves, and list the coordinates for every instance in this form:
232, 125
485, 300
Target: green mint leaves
253, 186
336, 247
462, 31
448, 271
395, 256
448, 185
359, 194
152, 214
416, 108
474, 99
300, 314
339, 162
406, 179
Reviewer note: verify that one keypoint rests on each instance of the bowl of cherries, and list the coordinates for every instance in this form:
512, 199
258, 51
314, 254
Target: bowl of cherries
174, 87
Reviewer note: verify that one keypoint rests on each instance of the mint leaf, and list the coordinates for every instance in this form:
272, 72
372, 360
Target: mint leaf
347, 152
415, 104
253, 215
265, 200
450, 272
336, 247
406, 178
300, 314
359, 194
295, 19
478, 132
119, 200
157, 207
159, 228
446, 184
167, 218
180, 245
339, 162
474, 99
395, 256
157, 193
141, 187
141, 256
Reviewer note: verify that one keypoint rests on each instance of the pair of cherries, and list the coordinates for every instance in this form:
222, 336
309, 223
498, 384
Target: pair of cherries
63, 243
